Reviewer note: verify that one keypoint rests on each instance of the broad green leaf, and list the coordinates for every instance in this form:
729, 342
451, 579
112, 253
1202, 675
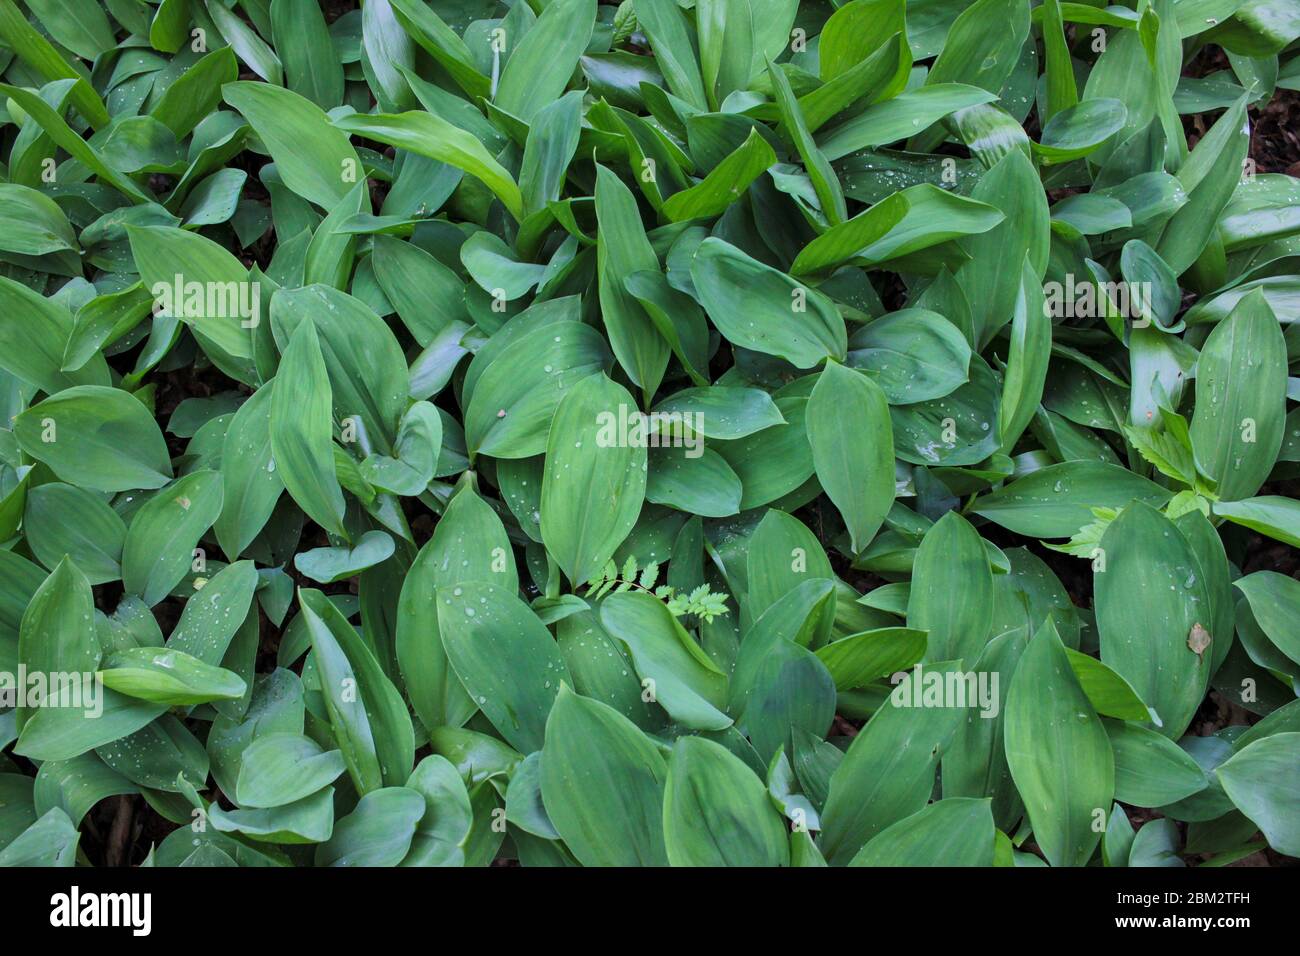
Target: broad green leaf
1261, 781
96, 437
379, 832
57, 637
213, 615
32, 351
195, 280
300, 430
900, 117
1150, 587
63, 520
1240, 399
328, 565
161, 538
541, 63
1027, 360
1150, 769
61, 733
912, 354
888, 772
468, 544
282, 768
1058, 753
603, 785
594, 479
859, 659
906, 222
505, 658
681, 677
367, 714
724, 183
957, 831
302, 41
952, 590
852, 444
250, 482
445, 826
1056, 501
716, 812
514, 400
168, 676
428, 135
622, 249
760, 308
313, 158
1274, 602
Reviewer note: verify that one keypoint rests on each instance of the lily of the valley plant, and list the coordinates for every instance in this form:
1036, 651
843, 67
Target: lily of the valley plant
680, 432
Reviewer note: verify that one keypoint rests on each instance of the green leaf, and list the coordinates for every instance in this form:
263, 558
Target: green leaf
760, 308
445, 826
251, 484
593, 486
913, 355
1058, 753
162, 536
899, 117
1080, 129
57, 637
1272, 515
1110, 694
1152, 586
905, 222
514, 400
1262, 780
300, 430
957, 831
66, 520
595, 759
859, 659
887, 773
724, 183
328, 565
197, 281
952, 590
302, 41
1274, 602
1150, 769
169, 676
1056, 501
541, 63
1027, 360
852, 444
505, 658
434, 137
622, 249
379, 832
469, 544
369, 719
674, 669
716, 812
61, 733
1240, 399
281, 768
442, 43
313, 158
